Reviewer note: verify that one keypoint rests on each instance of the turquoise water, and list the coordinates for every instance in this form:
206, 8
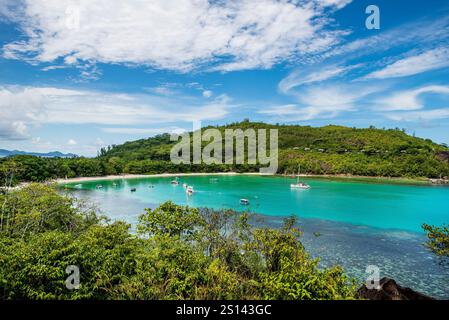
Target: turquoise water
360, 224
402, 207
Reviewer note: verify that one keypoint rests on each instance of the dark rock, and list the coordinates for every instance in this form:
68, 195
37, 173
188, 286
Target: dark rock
390, 290
443, 156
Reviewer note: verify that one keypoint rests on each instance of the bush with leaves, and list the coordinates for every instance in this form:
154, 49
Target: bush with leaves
178, 253
438, 240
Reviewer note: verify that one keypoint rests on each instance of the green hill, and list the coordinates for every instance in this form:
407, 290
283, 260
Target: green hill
324, 150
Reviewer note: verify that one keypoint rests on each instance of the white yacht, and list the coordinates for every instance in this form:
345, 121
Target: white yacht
298, 184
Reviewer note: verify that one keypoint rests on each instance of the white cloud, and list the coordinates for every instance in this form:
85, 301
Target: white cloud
207, 93
178, 35
22, 107
36, 140
409, 99
99, 142
15, 130
163, 90
429, 60
144, 131
72, 142
49, 68
321, 102
423, 115
423, 33
337, 3
300, 76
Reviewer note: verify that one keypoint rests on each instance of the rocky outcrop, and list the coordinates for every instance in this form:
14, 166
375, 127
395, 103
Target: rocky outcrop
443, 156
390, 290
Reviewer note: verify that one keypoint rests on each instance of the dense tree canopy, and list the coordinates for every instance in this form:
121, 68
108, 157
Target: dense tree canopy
178, 253
324, 150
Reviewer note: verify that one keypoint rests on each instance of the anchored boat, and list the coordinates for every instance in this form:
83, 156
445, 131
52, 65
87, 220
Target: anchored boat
189, 190
298, 184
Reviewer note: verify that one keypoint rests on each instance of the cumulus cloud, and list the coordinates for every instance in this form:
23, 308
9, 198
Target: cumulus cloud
426, 61
16, 130
177, 35
22, 107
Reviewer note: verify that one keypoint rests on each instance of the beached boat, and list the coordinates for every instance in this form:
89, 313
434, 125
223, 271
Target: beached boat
298, 184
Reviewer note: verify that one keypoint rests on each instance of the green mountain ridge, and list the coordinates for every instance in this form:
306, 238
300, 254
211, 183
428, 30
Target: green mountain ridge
320, 150
328, 150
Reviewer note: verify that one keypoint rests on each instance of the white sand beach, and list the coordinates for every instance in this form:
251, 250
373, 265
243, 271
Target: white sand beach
137, 176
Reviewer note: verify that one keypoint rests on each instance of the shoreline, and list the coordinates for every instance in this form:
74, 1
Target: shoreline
138, 176
395, 180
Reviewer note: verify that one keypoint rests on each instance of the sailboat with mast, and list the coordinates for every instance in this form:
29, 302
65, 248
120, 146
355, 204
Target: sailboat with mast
298, 184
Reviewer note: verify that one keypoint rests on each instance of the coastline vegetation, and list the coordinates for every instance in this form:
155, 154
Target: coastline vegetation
184, 253
329, 150
177, 253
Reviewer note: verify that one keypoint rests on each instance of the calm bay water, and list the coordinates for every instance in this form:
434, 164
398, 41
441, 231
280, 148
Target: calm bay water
360, 223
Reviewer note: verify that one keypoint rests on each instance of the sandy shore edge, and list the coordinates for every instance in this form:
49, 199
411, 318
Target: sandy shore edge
336, 177
137, 176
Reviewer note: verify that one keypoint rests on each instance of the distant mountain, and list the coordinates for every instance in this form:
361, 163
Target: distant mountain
54, 154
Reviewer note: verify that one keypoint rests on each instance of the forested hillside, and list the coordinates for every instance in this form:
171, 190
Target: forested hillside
324, 150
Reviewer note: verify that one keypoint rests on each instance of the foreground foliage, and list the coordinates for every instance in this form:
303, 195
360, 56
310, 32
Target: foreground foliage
438, 240
177, 253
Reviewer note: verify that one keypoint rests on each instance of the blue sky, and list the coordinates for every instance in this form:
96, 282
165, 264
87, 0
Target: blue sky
78, 75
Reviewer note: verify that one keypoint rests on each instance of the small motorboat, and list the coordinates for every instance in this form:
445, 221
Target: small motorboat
189, 190
184, 185
244, 202
299, 185
133, 189
175, 182
99, 186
